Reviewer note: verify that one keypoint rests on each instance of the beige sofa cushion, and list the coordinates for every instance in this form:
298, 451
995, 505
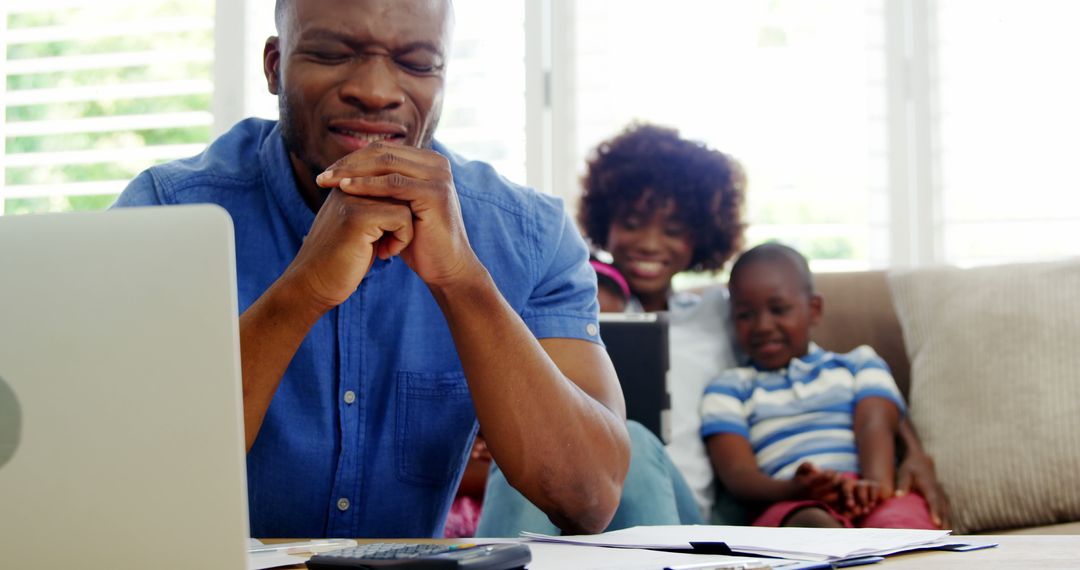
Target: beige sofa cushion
858, 311
995, 387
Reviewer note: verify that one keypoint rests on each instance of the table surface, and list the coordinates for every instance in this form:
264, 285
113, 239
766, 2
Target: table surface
1013, 551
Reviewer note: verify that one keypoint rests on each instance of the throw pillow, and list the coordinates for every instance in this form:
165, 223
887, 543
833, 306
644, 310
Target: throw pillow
995, 387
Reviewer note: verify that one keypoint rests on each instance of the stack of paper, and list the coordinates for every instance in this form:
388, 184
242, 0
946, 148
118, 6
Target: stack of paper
787, 542
551, 556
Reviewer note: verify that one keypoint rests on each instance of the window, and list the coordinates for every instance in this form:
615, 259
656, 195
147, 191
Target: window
1008, 130
880, 133
875, 134
484, 114
793, 89
94, 92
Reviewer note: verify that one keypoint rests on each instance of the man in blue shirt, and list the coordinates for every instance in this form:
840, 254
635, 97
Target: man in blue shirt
393, 294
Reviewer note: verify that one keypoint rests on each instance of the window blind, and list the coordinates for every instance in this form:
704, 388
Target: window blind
96, 91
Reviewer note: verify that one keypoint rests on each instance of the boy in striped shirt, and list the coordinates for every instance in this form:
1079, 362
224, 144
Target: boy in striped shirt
806, 435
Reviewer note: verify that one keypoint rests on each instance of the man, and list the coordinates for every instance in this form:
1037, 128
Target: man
389, 288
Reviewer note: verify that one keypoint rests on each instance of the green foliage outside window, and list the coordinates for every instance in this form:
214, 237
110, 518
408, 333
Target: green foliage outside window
117, 167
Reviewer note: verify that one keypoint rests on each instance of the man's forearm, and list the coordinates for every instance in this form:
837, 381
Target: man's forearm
909, 440
271, 331
564, 449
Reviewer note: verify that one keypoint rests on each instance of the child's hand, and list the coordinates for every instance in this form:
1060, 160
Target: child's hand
860, 496
818, 484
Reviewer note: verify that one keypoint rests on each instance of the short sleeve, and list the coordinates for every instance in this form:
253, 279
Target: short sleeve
873, 377
141, 191
724, 405
563, 303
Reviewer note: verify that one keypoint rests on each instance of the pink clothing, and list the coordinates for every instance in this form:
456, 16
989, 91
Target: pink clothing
463, 517
613, 274
906, 511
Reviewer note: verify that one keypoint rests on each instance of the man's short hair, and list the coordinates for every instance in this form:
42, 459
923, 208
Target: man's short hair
281, 5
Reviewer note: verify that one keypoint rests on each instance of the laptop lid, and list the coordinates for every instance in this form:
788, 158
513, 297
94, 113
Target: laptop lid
121, 444
638, 346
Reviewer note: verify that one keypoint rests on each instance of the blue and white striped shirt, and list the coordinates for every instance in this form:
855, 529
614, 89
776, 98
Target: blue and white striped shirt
804, 412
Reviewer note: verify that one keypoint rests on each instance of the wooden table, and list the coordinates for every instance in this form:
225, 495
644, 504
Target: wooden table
1017, 551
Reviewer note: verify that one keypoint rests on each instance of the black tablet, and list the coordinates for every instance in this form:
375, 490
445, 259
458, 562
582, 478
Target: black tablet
638, 346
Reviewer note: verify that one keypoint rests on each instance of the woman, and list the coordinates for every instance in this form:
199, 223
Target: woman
661, 205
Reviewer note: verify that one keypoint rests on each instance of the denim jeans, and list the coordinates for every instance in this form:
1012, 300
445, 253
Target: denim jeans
654, 494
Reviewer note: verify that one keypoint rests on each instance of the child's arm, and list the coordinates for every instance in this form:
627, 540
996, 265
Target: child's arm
878, 406
877, 421
734, 463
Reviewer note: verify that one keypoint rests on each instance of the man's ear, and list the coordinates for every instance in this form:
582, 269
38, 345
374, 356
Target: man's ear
272, 64
817, 306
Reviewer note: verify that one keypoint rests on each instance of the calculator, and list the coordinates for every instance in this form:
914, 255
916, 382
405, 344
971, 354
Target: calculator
414, 556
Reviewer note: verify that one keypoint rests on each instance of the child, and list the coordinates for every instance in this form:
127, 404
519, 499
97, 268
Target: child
808, 433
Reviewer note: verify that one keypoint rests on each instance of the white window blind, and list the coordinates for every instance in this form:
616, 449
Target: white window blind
96, 91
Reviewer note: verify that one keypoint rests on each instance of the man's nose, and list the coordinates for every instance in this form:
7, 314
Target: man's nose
373, 84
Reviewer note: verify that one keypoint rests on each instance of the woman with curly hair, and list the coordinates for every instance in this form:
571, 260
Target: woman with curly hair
660, 205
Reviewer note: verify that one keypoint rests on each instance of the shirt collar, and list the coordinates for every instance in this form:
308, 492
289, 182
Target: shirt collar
801, 364
280, 181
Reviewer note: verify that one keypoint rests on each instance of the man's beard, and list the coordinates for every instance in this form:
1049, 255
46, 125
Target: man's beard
295, 134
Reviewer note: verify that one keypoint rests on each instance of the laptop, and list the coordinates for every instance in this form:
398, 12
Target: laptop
121, 438
638, 346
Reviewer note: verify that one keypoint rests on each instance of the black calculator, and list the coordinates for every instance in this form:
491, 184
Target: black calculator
503, 556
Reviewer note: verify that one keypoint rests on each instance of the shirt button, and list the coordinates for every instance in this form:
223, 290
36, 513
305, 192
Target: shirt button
591, 329
350, 397
343, 504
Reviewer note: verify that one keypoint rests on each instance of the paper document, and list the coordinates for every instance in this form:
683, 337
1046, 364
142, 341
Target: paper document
554, 556
786, 542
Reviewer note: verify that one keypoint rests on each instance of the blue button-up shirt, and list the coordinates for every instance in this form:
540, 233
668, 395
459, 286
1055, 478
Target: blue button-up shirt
371, 425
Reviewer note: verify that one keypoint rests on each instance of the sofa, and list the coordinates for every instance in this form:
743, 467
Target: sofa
989, 361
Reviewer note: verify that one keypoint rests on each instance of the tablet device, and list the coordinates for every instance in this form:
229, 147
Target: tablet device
638, 346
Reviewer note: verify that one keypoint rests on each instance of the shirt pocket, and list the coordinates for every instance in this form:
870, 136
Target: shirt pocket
436, 424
